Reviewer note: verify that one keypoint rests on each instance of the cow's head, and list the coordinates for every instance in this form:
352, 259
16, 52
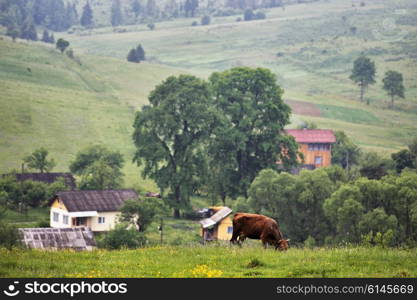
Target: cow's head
283, 245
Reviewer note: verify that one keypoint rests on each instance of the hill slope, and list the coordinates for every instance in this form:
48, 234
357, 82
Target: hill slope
47, 99
310, 46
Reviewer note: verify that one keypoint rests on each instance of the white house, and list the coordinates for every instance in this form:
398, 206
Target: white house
97, 210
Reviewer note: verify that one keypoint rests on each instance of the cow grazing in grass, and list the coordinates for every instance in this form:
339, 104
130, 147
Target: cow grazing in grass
257, 227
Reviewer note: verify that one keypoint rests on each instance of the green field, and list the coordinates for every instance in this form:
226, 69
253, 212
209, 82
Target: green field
211, 261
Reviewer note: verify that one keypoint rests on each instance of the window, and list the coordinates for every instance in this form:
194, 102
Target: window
80, 221
55, 217
65, 219
101, 220
318, 160
318, 147
230, 229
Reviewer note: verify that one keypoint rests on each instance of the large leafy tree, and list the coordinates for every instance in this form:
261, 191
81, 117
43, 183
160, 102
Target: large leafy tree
136, 7
344, 151
141, 213
296, 202
38, 160
393, 85
99, 168
62, 44
251, 135
87, 16
170, 134
363, 74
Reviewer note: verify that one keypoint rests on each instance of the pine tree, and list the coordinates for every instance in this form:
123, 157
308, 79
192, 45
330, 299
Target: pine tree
116, 13
140, 53
363, 74
132, 56
52, 39
71, 15
45, 36
87, 16
13, 31
57, 16
62, 44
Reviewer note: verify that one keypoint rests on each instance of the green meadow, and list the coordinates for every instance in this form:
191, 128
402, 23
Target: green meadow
217, 260
49, 100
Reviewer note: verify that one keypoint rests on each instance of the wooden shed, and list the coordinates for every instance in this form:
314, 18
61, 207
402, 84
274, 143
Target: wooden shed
315, 145
97, 210
217, 225
47, 178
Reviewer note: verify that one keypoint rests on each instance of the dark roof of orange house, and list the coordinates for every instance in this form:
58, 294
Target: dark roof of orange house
105, 200
312, 135
46, 178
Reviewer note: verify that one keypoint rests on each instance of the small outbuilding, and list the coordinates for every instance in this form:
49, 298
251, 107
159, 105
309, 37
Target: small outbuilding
315, 145
47, 178
217, 224
58, 238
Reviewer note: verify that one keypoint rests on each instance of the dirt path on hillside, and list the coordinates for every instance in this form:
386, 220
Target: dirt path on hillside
303, 108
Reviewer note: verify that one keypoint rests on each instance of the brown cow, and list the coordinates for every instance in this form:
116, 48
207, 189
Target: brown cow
257, 227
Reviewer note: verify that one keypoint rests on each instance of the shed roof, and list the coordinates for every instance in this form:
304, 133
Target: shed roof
80, 238
46, 178
105, 200
312, 135
216, 218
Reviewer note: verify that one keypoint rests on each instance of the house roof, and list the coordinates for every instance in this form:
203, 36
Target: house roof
216, 218
105, 200
312, 135
80, 238
46, 178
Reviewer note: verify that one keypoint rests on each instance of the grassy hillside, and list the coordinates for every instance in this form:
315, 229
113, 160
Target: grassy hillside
212, 261
47, 99
311, 47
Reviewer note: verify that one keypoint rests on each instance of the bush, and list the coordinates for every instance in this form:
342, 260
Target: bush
383, 240
43, 223
122, 237
9, 236
310, 242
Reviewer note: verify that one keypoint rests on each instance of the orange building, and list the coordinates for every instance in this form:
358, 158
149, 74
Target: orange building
316, 146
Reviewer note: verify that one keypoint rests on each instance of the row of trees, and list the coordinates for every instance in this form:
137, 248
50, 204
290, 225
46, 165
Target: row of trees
363, 74
136, 54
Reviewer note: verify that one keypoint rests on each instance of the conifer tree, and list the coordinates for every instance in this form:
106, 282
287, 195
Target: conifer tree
87, 16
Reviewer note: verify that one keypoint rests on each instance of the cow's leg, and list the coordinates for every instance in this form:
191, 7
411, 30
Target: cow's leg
264, 240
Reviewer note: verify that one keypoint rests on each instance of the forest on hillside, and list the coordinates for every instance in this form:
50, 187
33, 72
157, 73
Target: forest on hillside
20, 17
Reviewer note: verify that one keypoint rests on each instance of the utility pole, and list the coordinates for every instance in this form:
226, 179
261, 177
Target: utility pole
161, 230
